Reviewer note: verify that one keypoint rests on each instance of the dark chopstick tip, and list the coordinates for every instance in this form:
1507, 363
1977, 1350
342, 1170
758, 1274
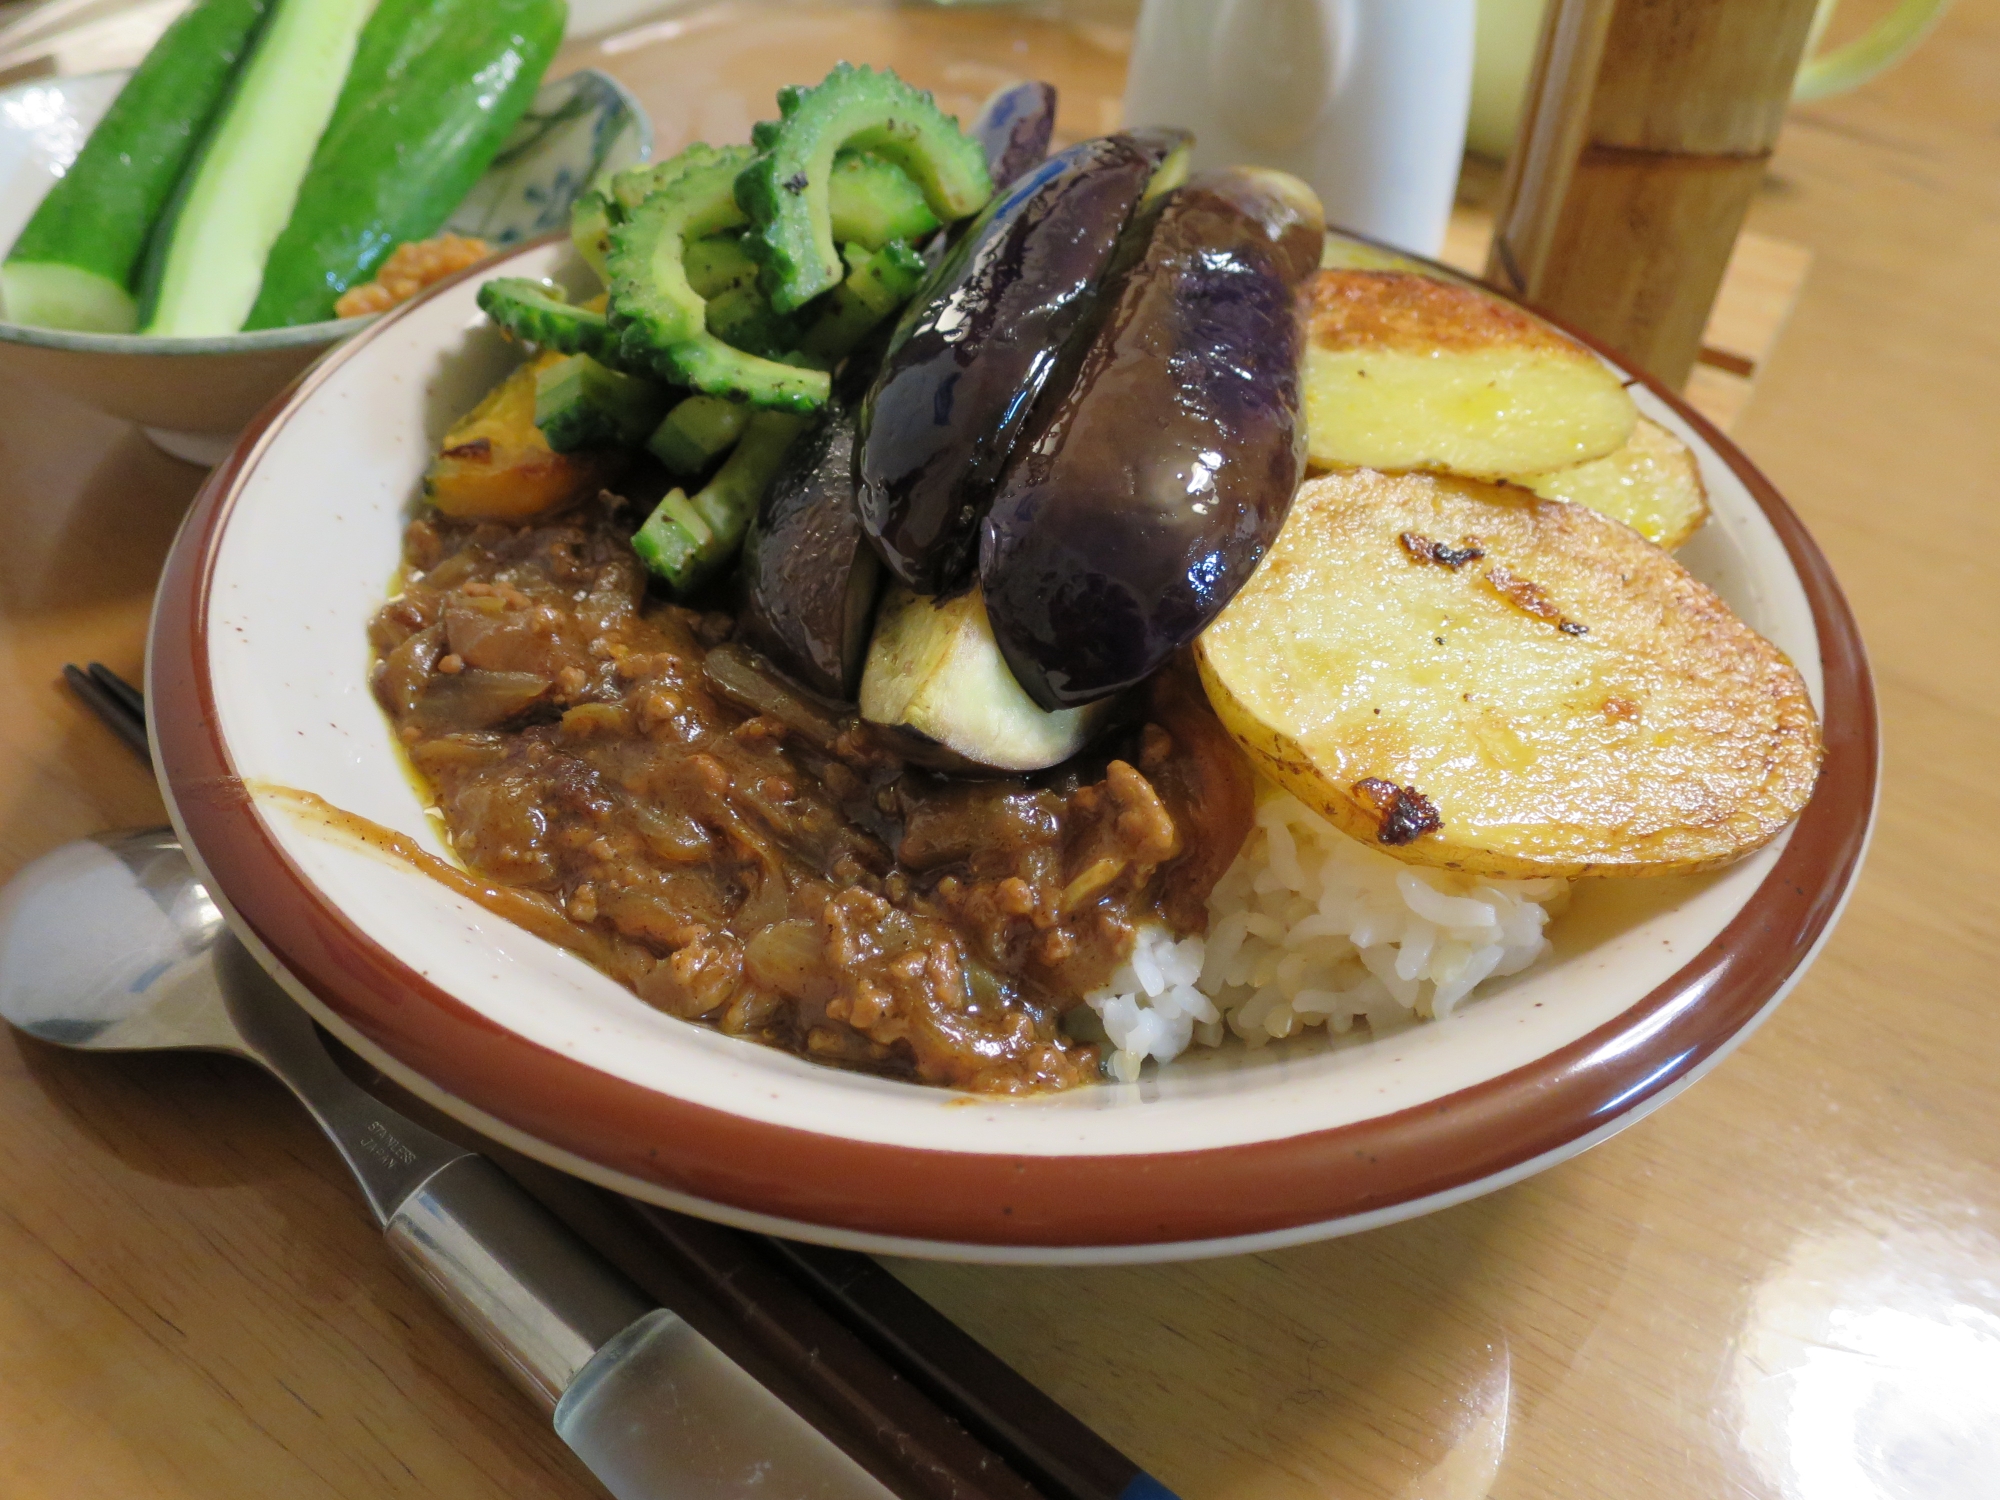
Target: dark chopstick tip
125, 717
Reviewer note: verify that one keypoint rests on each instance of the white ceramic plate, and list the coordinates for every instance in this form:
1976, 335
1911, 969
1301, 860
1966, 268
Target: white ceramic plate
258, 676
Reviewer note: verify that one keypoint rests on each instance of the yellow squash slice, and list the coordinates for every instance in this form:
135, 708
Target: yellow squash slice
495, 465
1652, 484
1404, 371
1468, 676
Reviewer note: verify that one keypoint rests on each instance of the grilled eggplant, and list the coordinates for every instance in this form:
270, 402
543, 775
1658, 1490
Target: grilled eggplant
976, 345
1158, 466
809, 575
1014, 129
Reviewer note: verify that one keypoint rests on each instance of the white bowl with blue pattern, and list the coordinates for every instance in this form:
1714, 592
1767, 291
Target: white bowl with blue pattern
193, 395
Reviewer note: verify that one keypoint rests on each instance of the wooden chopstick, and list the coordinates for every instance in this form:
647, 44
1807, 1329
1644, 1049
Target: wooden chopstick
908, 1393
1062, 1457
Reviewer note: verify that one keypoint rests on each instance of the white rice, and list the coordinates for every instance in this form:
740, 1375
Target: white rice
1310, 927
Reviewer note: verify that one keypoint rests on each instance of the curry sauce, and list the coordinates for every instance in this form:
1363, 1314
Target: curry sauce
745, 856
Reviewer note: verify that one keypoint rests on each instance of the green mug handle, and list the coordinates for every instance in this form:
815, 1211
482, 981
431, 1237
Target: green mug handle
1891, 39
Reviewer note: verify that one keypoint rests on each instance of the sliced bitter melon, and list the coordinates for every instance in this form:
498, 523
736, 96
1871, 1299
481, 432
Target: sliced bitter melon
600, 210
743, 319
579, 403
635, 185
785, 190
659, 318
698, 431
876, 288
871, 202
537, 314
688, 538
718, 264
591, 219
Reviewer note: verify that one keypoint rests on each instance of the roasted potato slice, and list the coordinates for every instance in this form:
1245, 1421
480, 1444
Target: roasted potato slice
1405, 371
1469, 676
1344, 253
1652, 484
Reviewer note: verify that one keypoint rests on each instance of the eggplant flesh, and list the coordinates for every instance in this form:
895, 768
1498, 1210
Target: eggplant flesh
977, 344
936, 686
1014, 129
1161, 462
809, 575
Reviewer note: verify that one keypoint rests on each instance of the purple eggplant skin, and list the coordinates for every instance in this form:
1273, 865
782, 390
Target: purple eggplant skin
975, 346
809, 576
1014, 128
1161, 462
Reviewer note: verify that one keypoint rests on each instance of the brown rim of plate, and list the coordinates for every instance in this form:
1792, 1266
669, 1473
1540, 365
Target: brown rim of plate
1006, 1200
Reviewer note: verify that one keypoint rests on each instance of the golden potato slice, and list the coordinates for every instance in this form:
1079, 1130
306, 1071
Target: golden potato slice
1652, 484
1344, 253
1409, 372
1469, 676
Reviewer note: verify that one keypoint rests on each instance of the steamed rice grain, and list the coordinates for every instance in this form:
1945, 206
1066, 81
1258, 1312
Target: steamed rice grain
1310, 927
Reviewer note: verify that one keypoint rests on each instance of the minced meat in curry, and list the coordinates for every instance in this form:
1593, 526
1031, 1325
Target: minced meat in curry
742, 856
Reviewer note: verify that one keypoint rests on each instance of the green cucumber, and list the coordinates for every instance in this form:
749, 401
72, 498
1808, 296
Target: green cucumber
75, 263
435, 89
661, 321
877, 286
871, 202
785, 190
536, 313
689, 538
207, 255
698, 431
580, 403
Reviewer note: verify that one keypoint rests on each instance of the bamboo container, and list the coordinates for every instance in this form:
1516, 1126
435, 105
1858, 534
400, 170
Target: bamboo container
1646, 132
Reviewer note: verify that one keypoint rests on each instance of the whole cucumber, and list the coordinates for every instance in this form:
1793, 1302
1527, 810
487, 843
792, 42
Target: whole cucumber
1162, 458
75, 263
435, 88
208, 250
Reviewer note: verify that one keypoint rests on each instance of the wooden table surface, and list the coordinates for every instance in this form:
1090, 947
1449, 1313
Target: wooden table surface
1785, 1285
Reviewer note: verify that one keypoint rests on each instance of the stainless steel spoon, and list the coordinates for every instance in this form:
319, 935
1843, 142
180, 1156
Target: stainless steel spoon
112, 944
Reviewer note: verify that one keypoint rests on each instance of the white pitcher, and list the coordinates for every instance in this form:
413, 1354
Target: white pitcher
1364, 99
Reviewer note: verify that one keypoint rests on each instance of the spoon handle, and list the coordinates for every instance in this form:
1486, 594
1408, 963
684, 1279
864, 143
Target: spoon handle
647, 1402
534, 1296
390, 1155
